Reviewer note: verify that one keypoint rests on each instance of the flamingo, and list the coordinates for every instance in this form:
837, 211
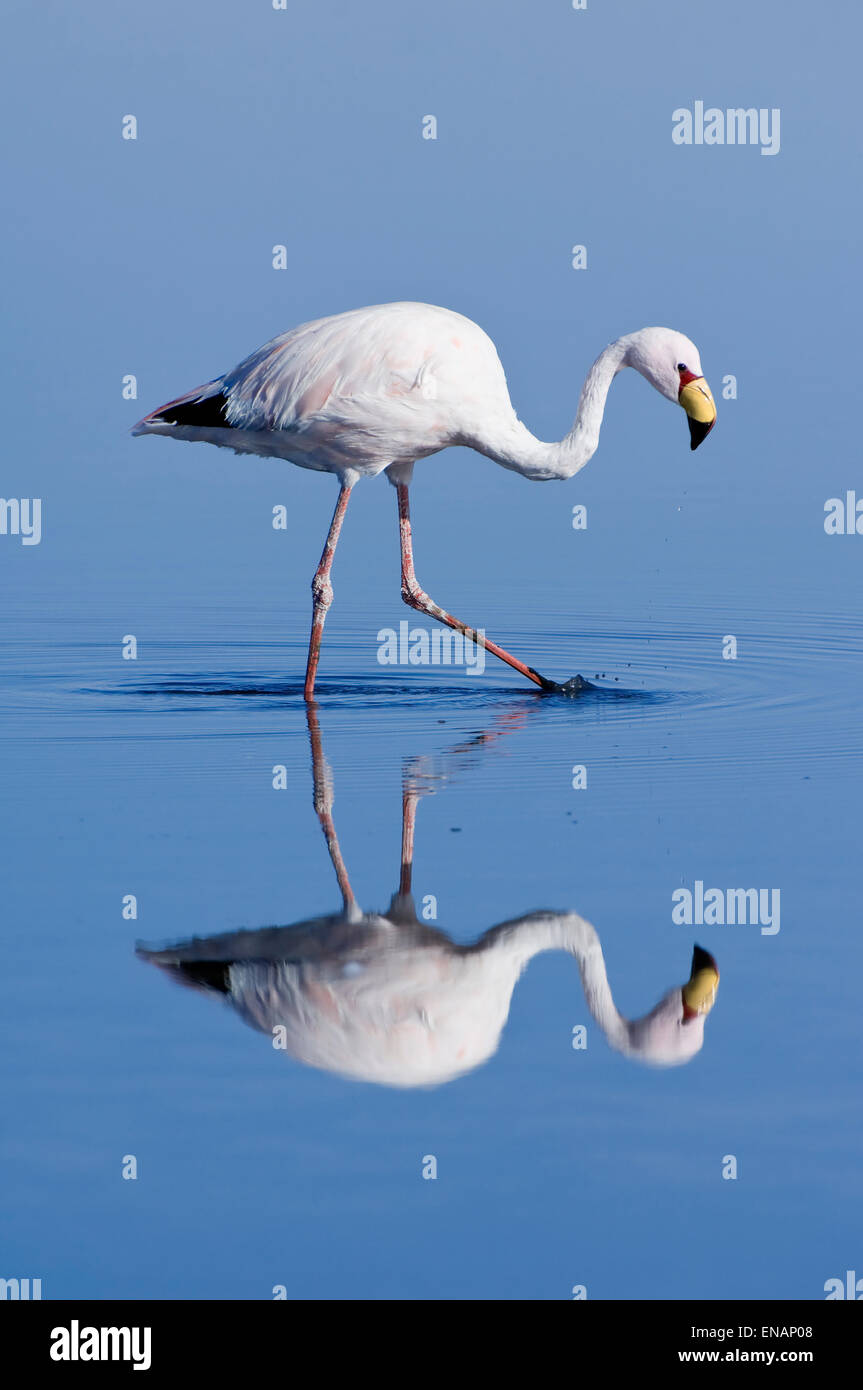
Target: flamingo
384, 997
375, 389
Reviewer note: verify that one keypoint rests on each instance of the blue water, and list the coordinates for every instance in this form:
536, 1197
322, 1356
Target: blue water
557, 1167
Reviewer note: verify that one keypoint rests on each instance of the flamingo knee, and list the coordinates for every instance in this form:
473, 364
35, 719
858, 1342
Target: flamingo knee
322, 592
414, 596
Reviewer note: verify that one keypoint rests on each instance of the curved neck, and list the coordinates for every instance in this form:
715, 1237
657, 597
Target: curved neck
515, 447
521, 940
581, 442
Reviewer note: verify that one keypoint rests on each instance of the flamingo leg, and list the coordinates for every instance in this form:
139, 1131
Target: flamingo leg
409, 815
402, 909
322, 592
322, 779
417, 598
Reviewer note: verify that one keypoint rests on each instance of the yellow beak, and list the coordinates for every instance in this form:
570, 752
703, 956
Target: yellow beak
699, 992
697, 400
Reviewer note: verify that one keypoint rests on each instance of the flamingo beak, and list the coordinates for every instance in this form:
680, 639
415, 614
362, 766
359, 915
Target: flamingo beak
699, 992
697, 400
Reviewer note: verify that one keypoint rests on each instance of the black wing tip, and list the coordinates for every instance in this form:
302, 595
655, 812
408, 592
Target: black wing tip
209, 413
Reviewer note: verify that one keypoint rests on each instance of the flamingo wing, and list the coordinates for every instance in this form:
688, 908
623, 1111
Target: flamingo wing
358, 390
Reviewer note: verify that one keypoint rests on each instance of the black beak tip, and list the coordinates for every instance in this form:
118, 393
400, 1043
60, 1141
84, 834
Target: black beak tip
702, 960
698, 432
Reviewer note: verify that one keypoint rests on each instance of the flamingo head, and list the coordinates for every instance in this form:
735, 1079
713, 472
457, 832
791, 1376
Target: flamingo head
699, 992
671, 363
673, 1032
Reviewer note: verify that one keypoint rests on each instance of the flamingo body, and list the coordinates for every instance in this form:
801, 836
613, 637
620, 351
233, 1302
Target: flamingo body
354, 393
381, 998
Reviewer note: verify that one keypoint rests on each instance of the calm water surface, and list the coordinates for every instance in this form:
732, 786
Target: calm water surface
302, 1165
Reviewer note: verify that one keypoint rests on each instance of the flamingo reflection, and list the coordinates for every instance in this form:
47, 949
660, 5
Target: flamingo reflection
386, 998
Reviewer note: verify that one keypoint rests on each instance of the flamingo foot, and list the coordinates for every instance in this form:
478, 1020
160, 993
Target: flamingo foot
574, 686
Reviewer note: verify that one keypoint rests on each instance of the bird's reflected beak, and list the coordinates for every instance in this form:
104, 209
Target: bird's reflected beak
697, 400
699, 992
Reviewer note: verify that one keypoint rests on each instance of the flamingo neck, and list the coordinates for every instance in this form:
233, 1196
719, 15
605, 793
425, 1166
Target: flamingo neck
518, 449
521, 941
581, 442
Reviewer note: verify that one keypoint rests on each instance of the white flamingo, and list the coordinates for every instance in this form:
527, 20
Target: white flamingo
375, 389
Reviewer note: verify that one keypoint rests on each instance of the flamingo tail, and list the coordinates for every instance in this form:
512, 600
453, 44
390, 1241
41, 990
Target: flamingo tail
203, 408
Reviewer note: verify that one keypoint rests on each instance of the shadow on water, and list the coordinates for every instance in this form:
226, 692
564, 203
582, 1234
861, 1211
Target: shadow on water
385, 997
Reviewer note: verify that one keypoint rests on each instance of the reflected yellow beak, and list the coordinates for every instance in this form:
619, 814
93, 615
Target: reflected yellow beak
699, 992
697, 400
